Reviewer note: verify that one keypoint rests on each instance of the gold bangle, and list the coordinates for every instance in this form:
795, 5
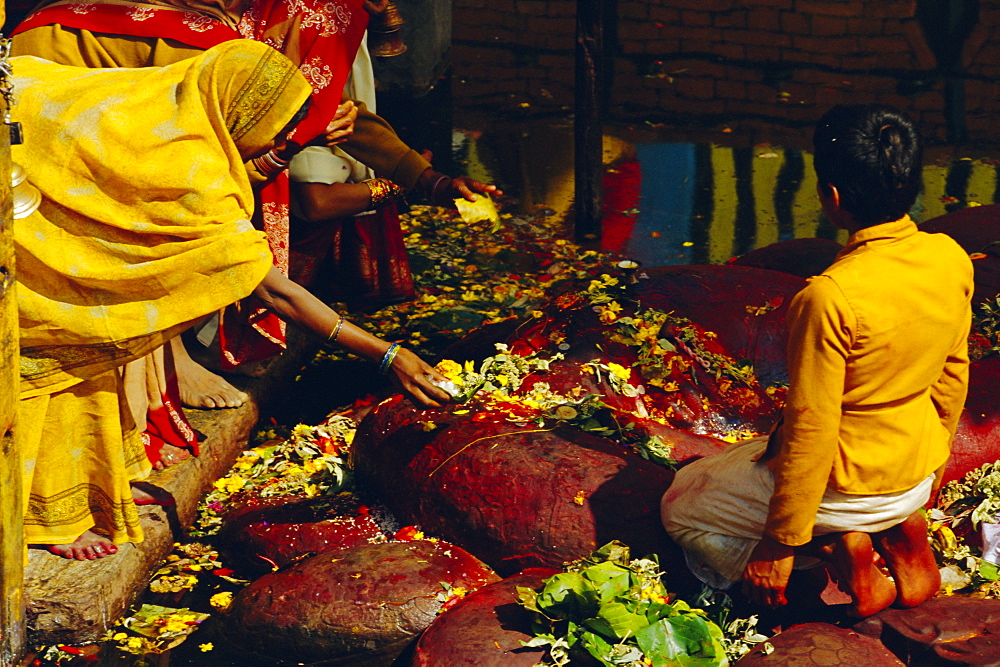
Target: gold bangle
383, 191
335, 334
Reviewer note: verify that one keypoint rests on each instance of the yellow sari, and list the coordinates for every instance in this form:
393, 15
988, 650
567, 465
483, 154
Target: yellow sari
143, 227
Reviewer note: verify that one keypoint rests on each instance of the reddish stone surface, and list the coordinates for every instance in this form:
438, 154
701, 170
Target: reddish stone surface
941, 631
506, 492
977, 440
737, 313
485, 629
362, 604
717, 299
816, 644
261, 535
800, 257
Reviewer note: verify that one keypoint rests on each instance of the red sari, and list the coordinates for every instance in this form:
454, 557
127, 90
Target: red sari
320, 36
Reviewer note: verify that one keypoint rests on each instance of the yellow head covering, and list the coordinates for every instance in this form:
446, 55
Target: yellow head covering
143, 225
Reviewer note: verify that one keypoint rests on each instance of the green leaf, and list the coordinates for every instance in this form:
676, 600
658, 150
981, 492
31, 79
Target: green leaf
528, 598
609, 578
616, 620
569, 596
596, 646
682, 640
989, 571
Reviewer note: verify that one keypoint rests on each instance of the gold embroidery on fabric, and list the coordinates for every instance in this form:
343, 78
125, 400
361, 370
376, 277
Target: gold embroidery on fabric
134, 448
74, 505
256, 97
40, 362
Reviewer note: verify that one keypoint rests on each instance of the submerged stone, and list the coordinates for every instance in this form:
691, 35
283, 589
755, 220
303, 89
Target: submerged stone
361, 605
265, 533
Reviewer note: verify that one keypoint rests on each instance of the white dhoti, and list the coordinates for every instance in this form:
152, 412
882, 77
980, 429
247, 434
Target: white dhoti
717, 506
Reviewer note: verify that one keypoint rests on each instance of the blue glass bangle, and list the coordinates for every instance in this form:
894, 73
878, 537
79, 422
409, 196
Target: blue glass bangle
387, 360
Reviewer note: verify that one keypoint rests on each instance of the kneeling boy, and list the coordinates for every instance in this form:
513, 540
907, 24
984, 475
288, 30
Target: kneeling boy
878, 370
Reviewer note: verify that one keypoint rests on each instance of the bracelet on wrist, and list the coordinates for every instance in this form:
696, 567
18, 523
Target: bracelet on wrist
390, 356
433, 191
335, 334
269, 163
383, 191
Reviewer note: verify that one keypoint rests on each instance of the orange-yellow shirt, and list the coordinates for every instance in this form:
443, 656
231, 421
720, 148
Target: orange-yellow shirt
878, 372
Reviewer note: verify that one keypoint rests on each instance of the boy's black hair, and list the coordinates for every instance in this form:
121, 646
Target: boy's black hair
872, 154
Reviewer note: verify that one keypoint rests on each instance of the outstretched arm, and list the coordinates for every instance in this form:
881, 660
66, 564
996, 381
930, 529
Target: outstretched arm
294, 303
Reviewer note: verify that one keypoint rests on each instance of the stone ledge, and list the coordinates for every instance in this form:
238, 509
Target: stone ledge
74, 602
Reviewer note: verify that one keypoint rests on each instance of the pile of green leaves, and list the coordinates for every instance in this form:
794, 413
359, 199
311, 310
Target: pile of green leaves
974, 499
616, 610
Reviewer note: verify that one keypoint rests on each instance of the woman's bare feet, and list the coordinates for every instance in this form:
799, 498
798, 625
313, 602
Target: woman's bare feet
144, 493
907, 553
853, 556
169, 455
200, 387
89, 546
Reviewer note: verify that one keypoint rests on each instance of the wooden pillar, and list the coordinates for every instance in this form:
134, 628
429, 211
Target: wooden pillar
12, 625
588, 118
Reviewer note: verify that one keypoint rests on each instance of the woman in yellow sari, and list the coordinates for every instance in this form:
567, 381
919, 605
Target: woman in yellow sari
143, 228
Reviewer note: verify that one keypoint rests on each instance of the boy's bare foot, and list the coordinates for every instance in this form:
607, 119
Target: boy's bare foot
854, 558
200, 387
88, 546
907, 553
169, 455
144, 493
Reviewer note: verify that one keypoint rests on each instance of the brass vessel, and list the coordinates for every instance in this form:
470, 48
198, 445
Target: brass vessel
384, 37
26, 196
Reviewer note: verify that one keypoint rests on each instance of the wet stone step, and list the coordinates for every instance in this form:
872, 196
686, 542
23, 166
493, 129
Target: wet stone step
74, 602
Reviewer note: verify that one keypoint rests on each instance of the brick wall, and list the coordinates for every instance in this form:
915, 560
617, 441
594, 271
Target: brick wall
783, 61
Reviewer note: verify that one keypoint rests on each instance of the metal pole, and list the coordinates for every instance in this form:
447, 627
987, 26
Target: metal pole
12, 624
588, 118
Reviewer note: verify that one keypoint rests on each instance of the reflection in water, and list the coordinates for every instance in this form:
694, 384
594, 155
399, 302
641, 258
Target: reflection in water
673, 202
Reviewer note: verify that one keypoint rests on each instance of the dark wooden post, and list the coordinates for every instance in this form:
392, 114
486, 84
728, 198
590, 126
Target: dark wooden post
588, 118
12, 627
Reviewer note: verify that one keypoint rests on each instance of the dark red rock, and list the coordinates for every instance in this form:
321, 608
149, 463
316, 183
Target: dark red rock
361, 605
261, 535
514, 496
939, 631
977, 440
717, 299
735, 314
820, 644
799, 257
485, 629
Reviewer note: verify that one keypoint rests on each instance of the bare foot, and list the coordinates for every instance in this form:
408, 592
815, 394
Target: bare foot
169, 455
88, 546
144, 493
908, 556
854, 558
200, 387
